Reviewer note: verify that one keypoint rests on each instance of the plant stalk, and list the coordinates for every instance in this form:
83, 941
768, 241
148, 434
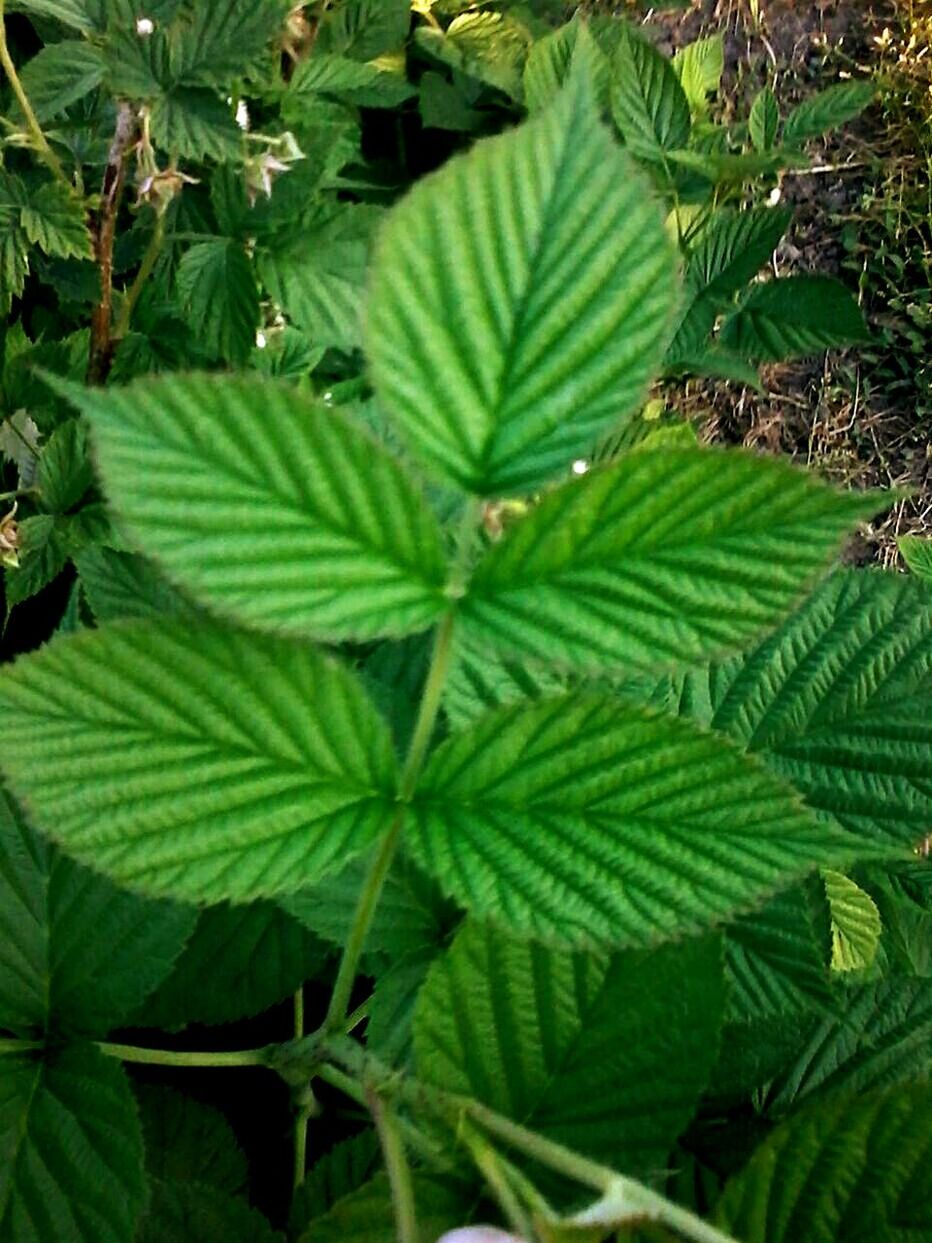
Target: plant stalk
103, 231
39, 140
397, 1168
131, 297
172, 1057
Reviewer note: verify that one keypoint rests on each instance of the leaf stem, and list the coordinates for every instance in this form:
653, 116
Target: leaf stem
304, 1102
131, 297
40, 142
173, 1057
397, 1167
19, 1046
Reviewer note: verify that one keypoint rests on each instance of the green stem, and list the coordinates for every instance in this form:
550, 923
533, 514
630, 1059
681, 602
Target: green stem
491, 1166
40, 142
304, 1107
397, 1167
131, 297
19, 1046
172, 1057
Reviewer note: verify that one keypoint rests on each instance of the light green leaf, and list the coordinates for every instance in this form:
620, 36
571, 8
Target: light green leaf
553, 58
120, 584
778, 958
71, 13
79, 953
268, 507
492, 47
839, 1172
607, 1055
366, 1216
856, 925
699, 67
882, 1036
319, 275
835, 702
917, 553
195, 124
196, 1213
356, 82
187, 1141
793, 317
663, 556
59, 75
220, 298
826, 110
503, 360
364, 29
478, 681
574, 820
764, 120
70, 1149
196, 761
239, 961
649, 105
54, 220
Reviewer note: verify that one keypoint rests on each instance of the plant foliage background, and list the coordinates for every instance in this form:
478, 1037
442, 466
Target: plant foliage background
442, 767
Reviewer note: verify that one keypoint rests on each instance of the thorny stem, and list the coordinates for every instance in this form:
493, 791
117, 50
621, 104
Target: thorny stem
39, 140
397, 1168
149, 259
104, 233
417, 750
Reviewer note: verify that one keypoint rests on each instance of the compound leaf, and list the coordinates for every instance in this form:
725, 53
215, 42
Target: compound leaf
660, 557
607, 1055
575, 819
520, 301
70, 1149
274, 510
187, 759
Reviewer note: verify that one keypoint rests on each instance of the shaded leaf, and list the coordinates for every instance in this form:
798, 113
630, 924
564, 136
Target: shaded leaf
201, 1214
187, 1141
793, 317
220, 297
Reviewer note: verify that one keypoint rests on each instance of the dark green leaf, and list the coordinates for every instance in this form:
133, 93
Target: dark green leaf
199, 1214
220, 298
793, 317
649, 105
195, 124
186, 1141
826, 110
764, 120
120, 584
336, 1174
55, 221
60, 74
364, 29
65, 472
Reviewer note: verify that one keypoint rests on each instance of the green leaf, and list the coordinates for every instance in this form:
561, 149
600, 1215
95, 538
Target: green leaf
224, 39
336, 1174
240, 961
607, 1055
220, 298
826, 110
917, 553
839, 1172
390, 1030
186, 1141
663, 556
699, 67
574, 820
59, 75
856, 925
119, 584
501, 363
778, 959
835, 703
552, 59
195, 124
72, 13
412, 914
70, 1149
764, 120
54, 220
201, 1214
793, 317
188, 759
649, 104
446, 105
366, 1216
356, 82
364, 29
881, 1037
65, 472
478, 681
268, 507
492, 47
318, 276
79, 953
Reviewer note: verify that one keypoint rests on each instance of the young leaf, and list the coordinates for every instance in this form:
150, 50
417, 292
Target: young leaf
793, 317
520, 301
61, 74
764, 120
826, 110
270, 508
649, 105
239, 961
492, 47
856, 925
79, 953
699, 67
188, 759
607, 1055
663, 556
574, 819
187, 1141
220, 297
834, 702
70, 1149
845, 1170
